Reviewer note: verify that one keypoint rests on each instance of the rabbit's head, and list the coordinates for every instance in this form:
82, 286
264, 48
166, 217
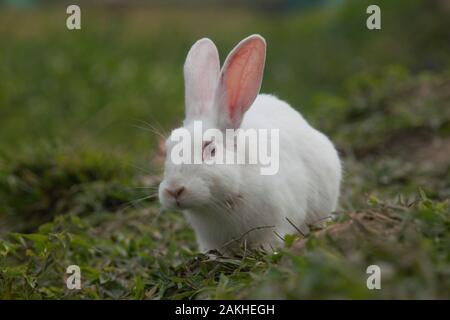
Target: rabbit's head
214, 99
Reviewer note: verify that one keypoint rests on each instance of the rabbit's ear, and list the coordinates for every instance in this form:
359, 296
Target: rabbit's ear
240, 81
201, 73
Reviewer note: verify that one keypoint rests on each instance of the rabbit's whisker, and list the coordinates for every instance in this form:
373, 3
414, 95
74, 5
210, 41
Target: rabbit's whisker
138, 201
147, 171
159, 129
147, 188
148, 127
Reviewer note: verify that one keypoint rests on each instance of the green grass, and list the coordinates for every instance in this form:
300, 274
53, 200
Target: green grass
78, 167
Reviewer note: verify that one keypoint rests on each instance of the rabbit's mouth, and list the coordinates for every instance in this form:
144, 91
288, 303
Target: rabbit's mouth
182, 204
177, 204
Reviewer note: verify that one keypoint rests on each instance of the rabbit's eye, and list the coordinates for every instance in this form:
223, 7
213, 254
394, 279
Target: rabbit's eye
209, 150
206, 143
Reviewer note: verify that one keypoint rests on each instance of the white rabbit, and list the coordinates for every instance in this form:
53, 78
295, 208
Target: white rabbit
228, 205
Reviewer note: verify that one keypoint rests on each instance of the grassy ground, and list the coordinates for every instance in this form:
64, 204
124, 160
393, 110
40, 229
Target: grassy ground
77, 156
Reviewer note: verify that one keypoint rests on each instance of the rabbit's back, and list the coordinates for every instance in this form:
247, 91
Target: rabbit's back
308, 181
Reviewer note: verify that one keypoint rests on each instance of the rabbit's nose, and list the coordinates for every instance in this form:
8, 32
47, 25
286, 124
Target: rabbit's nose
176, 193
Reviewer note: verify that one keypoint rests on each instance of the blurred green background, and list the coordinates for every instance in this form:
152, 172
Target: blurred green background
78, 115
87, 88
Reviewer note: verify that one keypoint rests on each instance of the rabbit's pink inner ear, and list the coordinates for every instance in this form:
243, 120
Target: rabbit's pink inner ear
243, 74
201, 71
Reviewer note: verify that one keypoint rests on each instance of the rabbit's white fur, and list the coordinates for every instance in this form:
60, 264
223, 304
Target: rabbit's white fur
229, 204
